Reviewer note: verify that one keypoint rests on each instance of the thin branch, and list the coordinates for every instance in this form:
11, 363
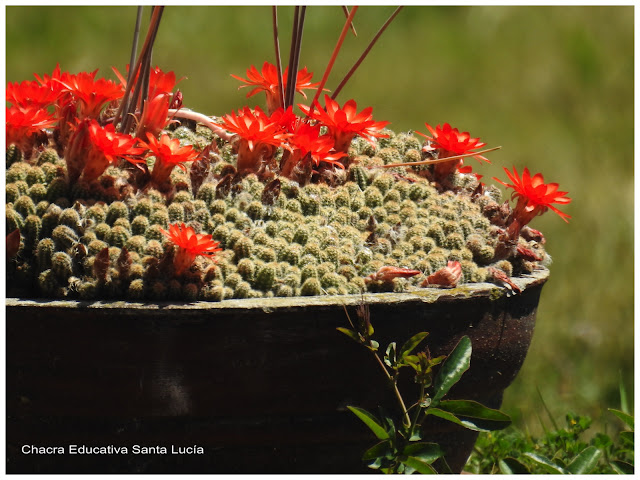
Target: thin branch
437, 160
200, 118
276, 41
294, 58
346, 14
126, 106
366, 52
333, 57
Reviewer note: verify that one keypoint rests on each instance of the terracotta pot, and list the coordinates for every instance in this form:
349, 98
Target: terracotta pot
258, 386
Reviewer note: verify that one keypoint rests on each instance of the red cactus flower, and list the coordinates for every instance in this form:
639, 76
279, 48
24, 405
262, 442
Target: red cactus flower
93, 94
451, 142
55, 81
190, 245
159, 81
258, 136
30, 93
306, 142
169, 154
23, 123
345, 123
534, 196
107, 147
268, 82
155, 115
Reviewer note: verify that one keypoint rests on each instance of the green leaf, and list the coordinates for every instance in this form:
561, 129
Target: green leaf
545, 463
424, 451
454, 366
622, 468
379, 450
471, 411
459, 421
412, 343
419, 466
627, 437
511, 466
585, 461
351, 334
625, 417
370, 421
390, 358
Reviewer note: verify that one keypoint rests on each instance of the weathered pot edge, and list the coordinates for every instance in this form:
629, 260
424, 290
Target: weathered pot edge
426, 295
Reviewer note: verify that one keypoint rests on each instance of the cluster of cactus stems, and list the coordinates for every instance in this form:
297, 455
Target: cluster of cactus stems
272, 204
101, 241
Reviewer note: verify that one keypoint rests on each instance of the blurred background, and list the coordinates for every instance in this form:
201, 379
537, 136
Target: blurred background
552, 85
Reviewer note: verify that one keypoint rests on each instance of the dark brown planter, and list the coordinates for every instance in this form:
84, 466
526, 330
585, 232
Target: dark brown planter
260, 385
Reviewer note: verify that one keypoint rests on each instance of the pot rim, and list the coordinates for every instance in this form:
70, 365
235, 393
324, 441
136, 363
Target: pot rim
419, 295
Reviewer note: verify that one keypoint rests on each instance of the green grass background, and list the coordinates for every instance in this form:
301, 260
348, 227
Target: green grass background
552, 85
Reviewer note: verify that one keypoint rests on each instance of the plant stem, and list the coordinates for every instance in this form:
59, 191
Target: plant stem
200, 118
332, 60
365, 53
276, 41
405, 413
437, 160
346, 14
126, 106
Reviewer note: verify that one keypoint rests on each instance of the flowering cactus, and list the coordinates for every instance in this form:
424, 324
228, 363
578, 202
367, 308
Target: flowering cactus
327, 202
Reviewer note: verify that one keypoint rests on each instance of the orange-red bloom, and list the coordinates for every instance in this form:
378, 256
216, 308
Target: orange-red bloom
267, 81
93, 94
159, 82
190, 245
345, 123
168, 153
258, 136
534, 196
450, 142
30, 94
154, 117
306, 140
107, 147
23, 123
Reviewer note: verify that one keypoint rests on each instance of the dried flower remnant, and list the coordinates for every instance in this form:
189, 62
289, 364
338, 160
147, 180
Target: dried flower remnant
268, 81
534, 198
448, 276
190, 245
168, 154
388, 273
344, 123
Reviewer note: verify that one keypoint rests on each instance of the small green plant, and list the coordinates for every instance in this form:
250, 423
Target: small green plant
401, 448
559, 451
